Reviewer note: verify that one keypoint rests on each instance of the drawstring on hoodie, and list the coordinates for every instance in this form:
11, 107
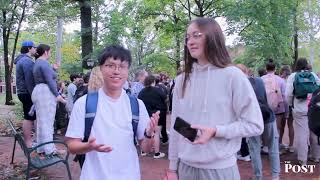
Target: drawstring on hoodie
206, 95
192, 86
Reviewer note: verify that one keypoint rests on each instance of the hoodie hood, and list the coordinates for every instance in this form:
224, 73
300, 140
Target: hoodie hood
20, 57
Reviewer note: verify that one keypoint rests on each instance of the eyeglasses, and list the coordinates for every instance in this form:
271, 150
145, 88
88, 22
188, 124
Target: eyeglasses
121, 67
194, 35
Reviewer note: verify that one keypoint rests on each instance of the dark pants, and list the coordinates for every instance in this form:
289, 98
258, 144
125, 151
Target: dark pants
244, 150
61, 122
163, 123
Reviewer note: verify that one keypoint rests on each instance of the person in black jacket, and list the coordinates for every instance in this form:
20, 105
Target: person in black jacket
155, 100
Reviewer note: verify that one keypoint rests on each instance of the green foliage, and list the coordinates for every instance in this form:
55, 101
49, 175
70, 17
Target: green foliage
159, 62
266, 28
154, 30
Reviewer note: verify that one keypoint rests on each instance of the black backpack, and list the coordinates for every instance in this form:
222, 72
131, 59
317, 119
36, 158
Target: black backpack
264, 106
314, 114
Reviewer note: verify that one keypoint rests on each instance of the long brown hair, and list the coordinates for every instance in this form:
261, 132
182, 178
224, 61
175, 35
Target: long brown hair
215, 49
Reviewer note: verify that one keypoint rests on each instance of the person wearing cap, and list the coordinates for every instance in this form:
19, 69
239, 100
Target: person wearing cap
25, 84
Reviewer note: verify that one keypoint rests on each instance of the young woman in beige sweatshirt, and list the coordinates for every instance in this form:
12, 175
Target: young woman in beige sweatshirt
217, 99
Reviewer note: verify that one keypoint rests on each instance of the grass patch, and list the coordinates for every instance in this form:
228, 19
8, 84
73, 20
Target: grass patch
17, 108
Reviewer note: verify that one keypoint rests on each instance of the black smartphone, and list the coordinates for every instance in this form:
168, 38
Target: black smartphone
184, 128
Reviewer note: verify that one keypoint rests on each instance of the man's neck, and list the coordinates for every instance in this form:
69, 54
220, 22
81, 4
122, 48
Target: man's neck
114, 94
29, 54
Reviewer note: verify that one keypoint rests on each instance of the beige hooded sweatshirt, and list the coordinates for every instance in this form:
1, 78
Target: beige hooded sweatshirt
214, 97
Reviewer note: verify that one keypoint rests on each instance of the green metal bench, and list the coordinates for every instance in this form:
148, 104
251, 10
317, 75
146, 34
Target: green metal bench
38, 162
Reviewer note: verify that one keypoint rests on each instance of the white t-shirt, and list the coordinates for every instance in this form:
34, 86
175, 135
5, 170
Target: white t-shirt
112, 126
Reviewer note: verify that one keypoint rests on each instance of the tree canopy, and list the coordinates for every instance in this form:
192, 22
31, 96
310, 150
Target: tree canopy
154, 30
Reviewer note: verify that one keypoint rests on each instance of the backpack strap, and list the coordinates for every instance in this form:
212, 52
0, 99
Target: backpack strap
135, 113
91, 109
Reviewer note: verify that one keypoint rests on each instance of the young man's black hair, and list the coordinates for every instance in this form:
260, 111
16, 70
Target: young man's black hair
73, 77
117, 52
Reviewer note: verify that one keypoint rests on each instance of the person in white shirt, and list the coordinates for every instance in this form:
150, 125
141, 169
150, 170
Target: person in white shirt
110, 150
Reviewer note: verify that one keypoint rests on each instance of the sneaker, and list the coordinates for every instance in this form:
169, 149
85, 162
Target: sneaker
159, 155
143, 153
316, 160
291, 149
244, 158
283, 146
264, 150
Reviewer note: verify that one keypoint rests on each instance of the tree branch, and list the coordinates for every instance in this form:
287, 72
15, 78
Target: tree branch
243, 29
184, 6
206, 8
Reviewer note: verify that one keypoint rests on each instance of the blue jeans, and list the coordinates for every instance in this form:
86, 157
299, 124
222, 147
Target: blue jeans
254, 143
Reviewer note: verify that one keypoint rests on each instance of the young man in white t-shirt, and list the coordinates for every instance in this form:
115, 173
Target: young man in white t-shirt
110, 151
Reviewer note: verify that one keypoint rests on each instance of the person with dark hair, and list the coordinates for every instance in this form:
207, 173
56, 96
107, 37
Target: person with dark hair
163, 114
61, 117
25, 84
82, 88
155, 100
218, 101
262, 72
110, 150
288, 119
45, 96
71, 90
303, 137
275, 89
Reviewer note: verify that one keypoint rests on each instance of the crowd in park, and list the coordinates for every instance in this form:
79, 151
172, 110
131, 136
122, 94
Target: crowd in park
220, 112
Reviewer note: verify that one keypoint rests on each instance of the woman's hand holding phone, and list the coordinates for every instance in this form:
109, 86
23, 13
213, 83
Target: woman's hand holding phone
206, 134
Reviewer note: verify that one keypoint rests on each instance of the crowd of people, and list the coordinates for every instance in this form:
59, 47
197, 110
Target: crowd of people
236, 114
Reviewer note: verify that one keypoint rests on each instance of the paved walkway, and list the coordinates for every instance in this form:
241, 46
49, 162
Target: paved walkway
151, 169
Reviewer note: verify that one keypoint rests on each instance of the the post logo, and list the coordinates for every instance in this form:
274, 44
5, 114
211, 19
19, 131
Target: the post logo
298, 168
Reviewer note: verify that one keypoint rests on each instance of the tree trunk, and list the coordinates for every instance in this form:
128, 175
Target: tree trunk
177, 38
59, 40
189, 10
86, 31
5, 36
96, 28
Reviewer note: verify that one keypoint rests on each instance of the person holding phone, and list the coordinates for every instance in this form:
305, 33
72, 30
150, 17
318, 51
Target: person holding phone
218, 101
